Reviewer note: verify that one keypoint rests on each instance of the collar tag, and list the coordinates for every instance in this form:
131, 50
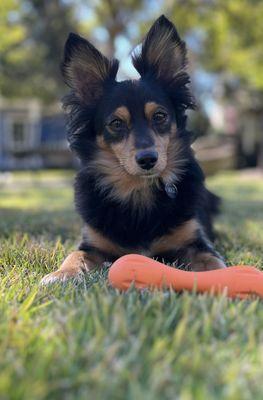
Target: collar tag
171, 190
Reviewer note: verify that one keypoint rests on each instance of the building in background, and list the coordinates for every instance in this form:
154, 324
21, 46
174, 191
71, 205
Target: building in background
32, 137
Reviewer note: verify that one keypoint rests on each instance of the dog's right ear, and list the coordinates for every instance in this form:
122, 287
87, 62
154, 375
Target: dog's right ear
85, 69
163, 58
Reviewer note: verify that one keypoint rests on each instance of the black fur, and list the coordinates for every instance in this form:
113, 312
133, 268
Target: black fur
165, 82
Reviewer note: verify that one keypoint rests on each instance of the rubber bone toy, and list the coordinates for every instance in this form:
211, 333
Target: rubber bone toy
143, 272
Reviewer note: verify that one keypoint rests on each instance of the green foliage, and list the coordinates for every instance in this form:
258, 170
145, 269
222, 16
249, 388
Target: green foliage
233, 39
89, 341
31, 46
115, 18
33, 34
230, 34
12, 33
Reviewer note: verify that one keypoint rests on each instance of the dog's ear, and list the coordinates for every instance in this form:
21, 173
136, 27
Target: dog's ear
85, 69
163, 52
163, 58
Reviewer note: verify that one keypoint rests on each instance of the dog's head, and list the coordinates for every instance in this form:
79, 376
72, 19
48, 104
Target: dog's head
135, 128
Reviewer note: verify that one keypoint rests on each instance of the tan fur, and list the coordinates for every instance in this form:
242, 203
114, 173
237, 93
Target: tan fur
161, 141
178, 238
86, 73
85, 62
101, 143
104, 244
150, 108
73, 266
205, 262
123, 113
175, 161
98, 240
120, 173
125, 153
161, 146
162, 46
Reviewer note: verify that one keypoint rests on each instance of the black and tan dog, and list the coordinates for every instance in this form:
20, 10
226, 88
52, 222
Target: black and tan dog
140, 188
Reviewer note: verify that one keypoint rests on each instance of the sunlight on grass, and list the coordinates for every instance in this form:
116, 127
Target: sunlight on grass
240, 224
50, 191
236, 187
37, 197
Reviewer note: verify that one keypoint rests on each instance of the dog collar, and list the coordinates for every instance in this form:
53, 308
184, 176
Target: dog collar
171, 190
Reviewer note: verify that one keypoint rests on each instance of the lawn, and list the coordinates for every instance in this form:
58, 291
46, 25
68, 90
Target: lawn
91, 342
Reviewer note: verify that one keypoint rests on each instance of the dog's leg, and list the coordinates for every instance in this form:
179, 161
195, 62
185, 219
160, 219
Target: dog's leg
201, 256
205, 261
74, 266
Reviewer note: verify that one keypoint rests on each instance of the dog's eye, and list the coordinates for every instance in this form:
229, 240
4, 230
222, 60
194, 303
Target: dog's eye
159, 117
116, 124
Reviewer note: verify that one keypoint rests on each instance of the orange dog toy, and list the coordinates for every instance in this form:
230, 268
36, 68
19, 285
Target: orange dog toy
143, 272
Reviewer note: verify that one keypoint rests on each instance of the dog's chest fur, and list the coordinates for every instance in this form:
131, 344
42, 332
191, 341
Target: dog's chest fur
121, 228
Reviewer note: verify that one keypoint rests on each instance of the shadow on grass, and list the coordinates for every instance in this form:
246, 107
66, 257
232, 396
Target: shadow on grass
63, 223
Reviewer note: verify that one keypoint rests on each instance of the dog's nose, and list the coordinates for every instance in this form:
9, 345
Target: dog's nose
146, 159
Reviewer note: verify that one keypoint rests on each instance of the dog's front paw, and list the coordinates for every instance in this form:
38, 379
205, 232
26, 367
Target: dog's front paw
206, 262
73, 267
61, 276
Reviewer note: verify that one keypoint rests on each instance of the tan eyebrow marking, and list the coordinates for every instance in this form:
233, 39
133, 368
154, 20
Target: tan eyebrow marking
150, 108
123, 113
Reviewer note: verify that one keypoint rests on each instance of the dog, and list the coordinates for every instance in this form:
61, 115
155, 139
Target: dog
140, 188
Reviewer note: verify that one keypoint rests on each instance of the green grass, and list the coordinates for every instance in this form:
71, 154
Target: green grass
91, 342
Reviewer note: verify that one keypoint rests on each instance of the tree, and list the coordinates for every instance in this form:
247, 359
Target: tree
33, 34
116, 19
225, 36
227, 39
31, 43
12, 33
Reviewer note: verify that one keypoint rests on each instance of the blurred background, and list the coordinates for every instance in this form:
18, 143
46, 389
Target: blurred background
224, 39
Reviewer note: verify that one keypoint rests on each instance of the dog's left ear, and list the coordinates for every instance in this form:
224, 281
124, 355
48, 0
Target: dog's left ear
163, 58
85, 69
